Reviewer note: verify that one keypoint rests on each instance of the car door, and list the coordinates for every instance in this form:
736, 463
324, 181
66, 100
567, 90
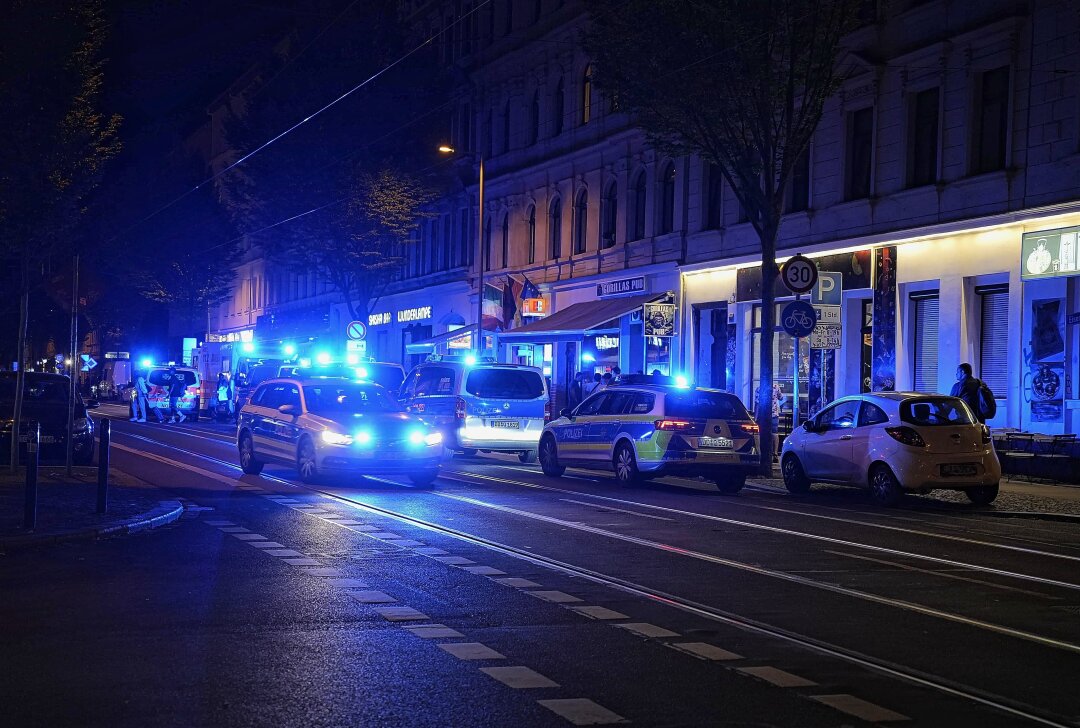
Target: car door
260, 411
605, 425
287, 428
573, 436
827, 449
870, 418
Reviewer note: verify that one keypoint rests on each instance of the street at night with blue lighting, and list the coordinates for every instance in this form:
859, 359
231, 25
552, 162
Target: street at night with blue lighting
512, 363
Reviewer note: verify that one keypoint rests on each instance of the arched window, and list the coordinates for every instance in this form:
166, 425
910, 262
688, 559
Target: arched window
636, 220
558, 109
586, 95
581, 222
534, 118
667, 200
506, 127
532, 233
486, 252
609, 212
555, 228
505, 259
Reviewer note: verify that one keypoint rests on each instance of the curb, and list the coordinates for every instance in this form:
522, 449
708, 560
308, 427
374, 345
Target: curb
167, 512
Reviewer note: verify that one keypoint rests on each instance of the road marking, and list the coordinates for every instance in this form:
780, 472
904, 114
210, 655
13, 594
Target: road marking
519, 678
777, 677
302, 562
600, 613
283, 552
266, 544
483, 570
517, 582
404, 542
471, 651
431, 551
346, 583
620, 510
704, 650
235, 529
859, 708
326, 571
249, 536
582, 711
348, 522
434, 631
454, 560
387, 536
372, 597
219, 523
231, 482
555, 597
400, 614
647, 630
361, 528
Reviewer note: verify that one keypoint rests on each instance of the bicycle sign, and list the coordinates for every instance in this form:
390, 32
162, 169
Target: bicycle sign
798, 319
799, 274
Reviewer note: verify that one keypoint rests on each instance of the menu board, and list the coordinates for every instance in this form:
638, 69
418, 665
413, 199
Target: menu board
1050, 253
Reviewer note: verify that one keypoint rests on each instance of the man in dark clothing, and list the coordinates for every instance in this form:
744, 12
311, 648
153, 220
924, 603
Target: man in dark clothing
967, 389
176, 391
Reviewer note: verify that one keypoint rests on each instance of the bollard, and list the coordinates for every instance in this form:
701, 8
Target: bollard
30, 507
103, 466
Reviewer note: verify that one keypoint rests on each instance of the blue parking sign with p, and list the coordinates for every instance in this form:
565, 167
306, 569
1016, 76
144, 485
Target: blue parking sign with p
829, 290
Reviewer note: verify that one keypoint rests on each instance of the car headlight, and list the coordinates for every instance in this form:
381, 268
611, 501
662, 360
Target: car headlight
336, 438
80, 424
416, 437
363, 437
433, 438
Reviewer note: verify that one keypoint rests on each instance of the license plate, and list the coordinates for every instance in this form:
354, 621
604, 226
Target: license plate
959, 470
506, 424
720, 442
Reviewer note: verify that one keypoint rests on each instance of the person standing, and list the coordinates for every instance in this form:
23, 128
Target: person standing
970, 389
138, 397
574, 396
616, 374
589, 386
777, 400
176, 391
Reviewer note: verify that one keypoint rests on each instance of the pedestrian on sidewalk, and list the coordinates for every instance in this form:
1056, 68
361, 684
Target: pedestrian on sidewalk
176, 391
138, 397
777, 399
975, 393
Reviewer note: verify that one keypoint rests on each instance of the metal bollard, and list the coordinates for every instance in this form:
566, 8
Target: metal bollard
30, 505
103, 466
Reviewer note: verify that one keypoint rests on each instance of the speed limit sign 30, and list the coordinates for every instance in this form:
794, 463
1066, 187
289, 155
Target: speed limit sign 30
799, 274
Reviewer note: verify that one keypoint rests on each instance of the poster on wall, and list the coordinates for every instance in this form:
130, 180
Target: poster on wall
883, 366
1044, 380
1050, 253
659, 319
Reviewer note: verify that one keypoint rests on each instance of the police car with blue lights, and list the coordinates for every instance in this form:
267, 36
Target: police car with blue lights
648, 426
333, 424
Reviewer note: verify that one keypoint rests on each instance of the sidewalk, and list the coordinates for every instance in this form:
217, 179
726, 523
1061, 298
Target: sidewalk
66, 507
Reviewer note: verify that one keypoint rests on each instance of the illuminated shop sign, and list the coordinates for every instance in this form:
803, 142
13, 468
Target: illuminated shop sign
603, 343
1050, 253
405, 315
534, 307
245, 335
620, 287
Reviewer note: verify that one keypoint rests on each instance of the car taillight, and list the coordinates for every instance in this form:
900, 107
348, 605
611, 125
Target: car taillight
547, 413
906, 436
986, 438
459, 408
747, 428
674, 425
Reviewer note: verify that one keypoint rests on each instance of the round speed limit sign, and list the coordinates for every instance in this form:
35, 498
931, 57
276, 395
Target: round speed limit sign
799, 274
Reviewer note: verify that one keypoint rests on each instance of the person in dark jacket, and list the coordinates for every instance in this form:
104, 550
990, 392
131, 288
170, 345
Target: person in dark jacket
967, 389
176, 391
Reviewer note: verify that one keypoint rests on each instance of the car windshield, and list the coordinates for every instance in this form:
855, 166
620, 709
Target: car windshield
45, 391
160, 377
704, 405
387, 375
505, 383
936, 412
348, 398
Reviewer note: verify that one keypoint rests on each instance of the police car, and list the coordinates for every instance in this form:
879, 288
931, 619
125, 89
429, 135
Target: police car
646, 427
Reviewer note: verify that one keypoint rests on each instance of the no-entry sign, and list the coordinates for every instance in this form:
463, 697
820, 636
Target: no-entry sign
356, 330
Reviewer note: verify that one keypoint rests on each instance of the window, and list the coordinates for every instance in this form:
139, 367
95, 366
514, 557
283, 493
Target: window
993, 360
839, 417
486, 252
798, 198
714, 197
555, 228
643, 403
532, 233
432, 381
992, 121
581, 221
505, 383
926, 342
465, 127
592, 405
616, 403
636, 226
505, 257
609, 212
705, 405
935, 412
923, 138
558, 109
871, 414
667, 199
346, 399
860, 153
534, 119
586, 95
506, 128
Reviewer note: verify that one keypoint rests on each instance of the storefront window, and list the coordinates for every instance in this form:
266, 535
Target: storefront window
783, 368
600, 353
658, 355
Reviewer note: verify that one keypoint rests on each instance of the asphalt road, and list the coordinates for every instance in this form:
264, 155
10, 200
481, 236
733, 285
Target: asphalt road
555, 602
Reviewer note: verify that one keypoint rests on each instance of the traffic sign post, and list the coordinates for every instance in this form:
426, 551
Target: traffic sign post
88, 362
798, 320
356, 331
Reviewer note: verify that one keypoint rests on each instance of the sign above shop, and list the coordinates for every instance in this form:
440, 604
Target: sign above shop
405, 315
659, 319
118, 355
826, 336
799, 274
1050, 253
604, 343
245, 335
534, 307
620, 287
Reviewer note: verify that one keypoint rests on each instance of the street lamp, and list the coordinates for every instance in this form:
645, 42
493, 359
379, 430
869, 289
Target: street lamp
447, 149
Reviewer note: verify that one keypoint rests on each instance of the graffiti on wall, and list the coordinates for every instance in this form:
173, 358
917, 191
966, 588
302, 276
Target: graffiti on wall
883, 368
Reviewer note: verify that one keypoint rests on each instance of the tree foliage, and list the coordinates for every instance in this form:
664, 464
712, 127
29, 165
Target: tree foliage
741, 83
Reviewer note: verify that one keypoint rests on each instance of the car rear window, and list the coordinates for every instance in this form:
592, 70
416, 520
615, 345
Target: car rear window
935, 412
48, 390
160, 377
705, 406
505, 383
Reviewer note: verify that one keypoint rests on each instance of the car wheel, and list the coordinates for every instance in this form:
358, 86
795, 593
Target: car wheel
983, 495
731, 484
248, 462
794, 476
884, 488
549, 458
529, 456
306, 466
424, 477
626, 470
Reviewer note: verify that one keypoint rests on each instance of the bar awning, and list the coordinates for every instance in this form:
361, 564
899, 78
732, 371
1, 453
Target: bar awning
573, 321
427, 346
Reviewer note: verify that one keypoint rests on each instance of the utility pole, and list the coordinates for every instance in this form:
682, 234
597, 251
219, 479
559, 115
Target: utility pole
73, 368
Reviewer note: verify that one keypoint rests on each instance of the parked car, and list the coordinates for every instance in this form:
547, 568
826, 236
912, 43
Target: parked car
480, 405
644, 430
45, 400
389, 376
157, 398
324, 424
892, 442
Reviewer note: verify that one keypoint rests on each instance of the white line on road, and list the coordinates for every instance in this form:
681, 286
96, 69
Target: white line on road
620, 510
519, 678
471, 651
859, 708
777, 677
581, 711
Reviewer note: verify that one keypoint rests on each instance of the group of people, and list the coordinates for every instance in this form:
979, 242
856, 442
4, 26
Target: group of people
584, 385
175, 386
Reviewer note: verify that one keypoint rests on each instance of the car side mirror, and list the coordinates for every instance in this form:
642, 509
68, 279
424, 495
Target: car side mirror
809, 426
289, 409
565, 412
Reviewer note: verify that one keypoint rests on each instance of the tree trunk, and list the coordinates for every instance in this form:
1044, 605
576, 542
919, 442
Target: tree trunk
20, 358
765, 351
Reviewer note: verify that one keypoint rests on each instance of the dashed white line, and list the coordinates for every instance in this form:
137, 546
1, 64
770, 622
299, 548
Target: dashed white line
266, 544
325, 571
454, 560
519, 678
434, 631
235, 529
555, 597
400, 614
704, 650
372, 597
483, 570
249, 536
777, 677
220, 523
517, 582
859, 708
283, 553
346, 583
582, 711
600, 613
647, 630
471, 651
302, 562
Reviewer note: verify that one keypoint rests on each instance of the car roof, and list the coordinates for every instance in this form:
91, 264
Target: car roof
311, 381
478, 365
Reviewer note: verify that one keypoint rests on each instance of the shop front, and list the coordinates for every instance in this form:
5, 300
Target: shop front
409, 327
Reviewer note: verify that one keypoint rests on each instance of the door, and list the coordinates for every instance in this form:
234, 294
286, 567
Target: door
871, 417
827, 452
605, 425
262, 409
573, 437
286, 428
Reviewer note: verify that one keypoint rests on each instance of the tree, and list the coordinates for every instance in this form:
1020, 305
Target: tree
742, 83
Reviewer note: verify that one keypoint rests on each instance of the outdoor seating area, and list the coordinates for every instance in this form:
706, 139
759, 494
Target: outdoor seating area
1036, 456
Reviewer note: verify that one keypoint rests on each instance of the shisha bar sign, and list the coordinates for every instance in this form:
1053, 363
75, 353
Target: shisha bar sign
1050, 253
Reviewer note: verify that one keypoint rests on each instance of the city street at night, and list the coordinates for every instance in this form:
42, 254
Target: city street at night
499, 596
